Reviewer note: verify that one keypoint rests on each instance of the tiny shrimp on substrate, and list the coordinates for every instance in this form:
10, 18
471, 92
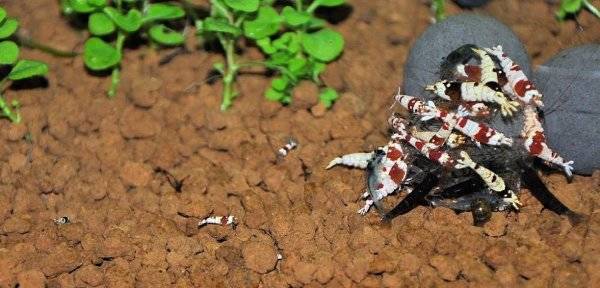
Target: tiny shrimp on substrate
218, 220
289, 146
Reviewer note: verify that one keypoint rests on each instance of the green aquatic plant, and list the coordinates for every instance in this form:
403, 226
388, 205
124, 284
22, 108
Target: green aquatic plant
111, 23
296, 43
571, 7
19, 69
437, 6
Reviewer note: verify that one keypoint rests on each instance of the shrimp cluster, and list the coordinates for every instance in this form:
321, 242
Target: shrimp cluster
445, 153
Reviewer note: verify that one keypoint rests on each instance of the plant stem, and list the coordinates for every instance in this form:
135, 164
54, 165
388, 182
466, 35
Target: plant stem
298, 5
313, 6
591, 7
14, 116
116, 72
29, 42
230, 73
438, 8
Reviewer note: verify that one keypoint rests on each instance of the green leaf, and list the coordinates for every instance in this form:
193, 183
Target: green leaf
97, 3
273, 95
9, 52
165, 35
99, 55
266, 46
294, 17
2, 15
571, 6
266, 24
280, 83
328, 96
296, 65
100, 24
330, 3
283, 40
8, 28
128, 23
325, 45
81, 6
163, 11
220, 67
317, 69
218, 25
242, 5
27, 69
279, 58
316, 23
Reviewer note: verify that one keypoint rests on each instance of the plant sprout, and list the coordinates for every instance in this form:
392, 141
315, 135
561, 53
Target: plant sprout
570, 7
19, 69
438, 7
302, 51
122, 18
294, 41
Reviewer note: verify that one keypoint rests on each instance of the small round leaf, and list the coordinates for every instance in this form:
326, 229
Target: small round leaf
129, 23
2, 15
100, 24
266, 23
294, 17
81, 6
266, 45
328, 96
218, 25
9, 52
280, 83
27, 69
99, 55
97, 3
571, 6
324, 45
274, 95
243, 5
296, 65
165, 35
8, 28
163, 11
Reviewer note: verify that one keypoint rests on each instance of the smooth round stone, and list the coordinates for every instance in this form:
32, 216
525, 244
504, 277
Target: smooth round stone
471, 3
570, 82
440, 39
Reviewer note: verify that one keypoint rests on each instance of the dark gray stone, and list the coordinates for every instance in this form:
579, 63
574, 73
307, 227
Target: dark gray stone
471, 3
570, 82
442, 38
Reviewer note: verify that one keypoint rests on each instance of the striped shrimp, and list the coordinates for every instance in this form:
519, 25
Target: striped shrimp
386, 172
518, 85
291, 145
535, 142
478, 132
475, 92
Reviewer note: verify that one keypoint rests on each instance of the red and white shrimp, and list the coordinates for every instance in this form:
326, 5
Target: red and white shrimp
518, 85
432, 151
488, 75
535, 142
478, 132
291, 145
386, 171
474, 92
473, 109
